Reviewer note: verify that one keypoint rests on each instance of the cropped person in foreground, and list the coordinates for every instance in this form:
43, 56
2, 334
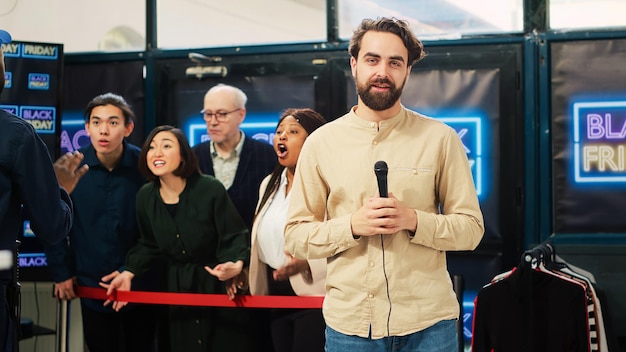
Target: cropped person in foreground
28, 189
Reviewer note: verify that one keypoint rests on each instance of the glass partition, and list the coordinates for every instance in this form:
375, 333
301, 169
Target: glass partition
81, 26
586, 14
437, 19
120, 25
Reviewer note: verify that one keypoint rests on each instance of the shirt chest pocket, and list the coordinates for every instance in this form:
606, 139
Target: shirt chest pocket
415, 186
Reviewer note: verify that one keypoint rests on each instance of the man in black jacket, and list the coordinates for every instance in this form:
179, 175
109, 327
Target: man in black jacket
28, 189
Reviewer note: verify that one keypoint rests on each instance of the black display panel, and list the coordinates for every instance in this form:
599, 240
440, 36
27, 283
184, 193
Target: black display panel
272, 84
32, 87
81, 82
589, 136
84, 81
263, 109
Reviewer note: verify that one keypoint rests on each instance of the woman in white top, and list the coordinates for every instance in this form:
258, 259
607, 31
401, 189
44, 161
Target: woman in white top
273, 271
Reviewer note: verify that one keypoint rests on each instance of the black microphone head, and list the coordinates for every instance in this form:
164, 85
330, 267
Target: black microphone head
380, 168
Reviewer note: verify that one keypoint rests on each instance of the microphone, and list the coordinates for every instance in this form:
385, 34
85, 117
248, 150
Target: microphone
380, 169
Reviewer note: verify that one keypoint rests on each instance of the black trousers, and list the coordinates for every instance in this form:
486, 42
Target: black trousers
134, 328
300, 330
294, 330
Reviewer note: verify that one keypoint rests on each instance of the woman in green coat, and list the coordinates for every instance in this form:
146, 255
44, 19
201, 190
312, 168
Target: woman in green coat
187, 220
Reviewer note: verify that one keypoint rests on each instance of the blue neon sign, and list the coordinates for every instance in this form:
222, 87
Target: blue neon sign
470, 131
599, 141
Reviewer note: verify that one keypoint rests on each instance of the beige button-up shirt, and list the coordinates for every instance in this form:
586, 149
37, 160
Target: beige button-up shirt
429, 172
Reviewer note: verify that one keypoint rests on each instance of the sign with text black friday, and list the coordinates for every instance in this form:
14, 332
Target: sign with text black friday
588, 136
32, 86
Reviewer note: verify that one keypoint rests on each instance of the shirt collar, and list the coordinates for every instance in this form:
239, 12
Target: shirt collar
236, 151
283, 177
392, 121
91, 159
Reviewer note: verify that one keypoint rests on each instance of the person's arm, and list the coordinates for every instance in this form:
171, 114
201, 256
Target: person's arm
60, 266
64, 290
46, 205
460, 225
233, 247
142, 256
233, 243
308, 234
293, 267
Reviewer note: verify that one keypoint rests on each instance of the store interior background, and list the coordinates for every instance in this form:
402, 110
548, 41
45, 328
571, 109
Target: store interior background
143, 48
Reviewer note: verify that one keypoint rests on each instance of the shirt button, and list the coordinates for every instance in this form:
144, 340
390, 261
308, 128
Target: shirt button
370, 295
375, 142
184, 251
197, 321
199, 342
371, 264
177, 235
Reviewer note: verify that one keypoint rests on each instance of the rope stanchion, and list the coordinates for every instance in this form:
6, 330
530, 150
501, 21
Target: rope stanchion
202, 299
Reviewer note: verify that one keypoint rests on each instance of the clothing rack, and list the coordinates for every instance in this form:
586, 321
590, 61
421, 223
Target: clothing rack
519, 308
542, 253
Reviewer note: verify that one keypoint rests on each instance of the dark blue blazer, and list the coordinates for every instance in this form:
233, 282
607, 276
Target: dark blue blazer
256, 161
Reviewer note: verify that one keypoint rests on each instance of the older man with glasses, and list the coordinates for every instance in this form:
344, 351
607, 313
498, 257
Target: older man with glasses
240, 163
235, 159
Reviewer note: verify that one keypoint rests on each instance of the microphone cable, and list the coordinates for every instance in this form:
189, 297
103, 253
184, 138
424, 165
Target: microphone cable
382, 245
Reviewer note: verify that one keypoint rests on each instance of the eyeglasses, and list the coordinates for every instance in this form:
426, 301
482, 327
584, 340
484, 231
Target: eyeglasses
219, 116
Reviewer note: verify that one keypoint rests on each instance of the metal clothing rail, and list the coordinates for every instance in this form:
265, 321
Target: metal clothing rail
541, 253
62, 331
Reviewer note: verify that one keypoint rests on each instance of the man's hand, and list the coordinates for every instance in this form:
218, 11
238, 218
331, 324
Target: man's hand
65, 290
67, 171
384, 216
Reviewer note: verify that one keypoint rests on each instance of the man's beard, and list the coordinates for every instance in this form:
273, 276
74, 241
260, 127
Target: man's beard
378, 101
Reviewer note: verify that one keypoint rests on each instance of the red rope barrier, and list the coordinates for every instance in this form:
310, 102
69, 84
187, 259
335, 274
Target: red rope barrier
202, 299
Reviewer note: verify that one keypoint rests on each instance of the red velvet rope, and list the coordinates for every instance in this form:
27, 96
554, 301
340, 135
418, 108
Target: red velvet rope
202, 299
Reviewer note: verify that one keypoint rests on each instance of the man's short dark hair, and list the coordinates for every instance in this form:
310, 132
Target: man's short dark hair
398, 27
111, 99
